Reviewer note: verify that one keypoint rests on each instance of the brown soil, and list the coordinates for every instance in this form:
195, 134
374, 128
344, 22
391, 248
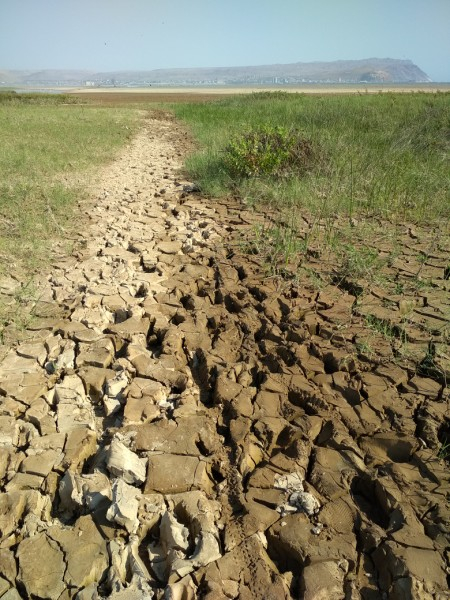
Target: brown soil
186, 419
118, 98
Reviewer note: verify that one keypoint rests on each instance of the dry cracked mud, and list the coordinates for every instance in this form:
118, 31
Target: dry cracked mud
176, 424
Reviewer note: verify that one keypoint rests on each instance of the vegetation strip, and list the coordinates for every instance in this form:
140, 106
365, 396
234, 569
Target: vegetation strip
48, 154
364, 205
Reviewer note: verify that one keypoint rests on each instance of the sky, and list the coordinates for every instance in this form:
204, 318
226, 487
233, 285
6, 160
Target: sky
110, 35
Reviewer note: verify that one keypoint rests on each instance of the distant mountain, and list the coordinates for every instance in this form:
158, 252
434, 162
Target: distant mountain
370, 70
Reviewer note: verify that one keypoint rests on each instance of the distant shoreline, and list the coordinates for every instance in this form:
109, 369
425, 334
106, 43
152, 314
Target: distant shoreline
307, 88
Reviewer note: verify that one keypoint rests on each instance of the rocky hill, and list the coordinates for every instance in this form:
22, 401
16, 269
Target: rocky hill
371, 70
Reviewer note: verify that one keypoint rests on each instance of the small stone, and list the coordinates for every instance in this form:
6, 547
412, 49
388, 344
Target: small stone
74, 410
8, 565
130, 328
12, 507
305, 502
98, 354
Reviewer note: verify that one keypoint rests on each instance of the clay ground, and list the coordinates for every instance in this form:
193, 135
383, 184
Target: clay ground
180, 423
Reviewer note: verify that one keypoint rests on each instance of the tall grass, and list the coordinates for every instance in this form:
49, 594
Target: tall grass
386, 154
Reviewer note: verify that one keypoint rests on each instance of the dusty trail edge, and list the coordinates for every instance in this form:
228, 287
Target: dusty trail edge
177, 424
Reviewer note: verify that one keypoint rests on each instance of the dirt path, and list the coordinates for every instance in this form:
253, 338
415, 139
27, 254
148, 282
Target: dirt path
179, 425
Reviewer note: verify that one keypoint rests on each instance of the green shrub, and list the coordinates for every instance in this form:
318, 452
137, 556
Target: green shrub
268, 151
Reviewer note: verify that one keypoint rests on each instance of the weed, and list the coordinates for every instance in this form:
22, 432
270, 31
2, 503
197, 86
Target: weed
316, 279
399, 288
394, 334
44, 145
364, 348
422, 257
357, 262
277, 244
17, 310
444, 451
429, 366
386, 329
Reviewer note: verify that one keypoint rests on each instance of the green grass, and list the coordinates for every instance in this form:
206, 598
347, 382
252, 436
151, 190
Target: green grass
387, 154
375, 164
47, 149
42, 144
444, 451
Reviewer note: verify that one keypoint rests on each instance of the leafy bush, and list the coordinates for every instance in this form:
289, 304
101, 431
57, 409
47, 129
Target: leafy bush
269, 151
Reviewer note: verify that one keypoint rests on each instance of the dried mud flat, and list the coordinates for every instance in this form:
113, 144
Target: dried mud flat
176, 424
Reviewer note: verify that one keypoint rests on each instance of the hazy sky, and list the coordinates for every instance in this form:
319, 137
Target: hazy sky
105, 35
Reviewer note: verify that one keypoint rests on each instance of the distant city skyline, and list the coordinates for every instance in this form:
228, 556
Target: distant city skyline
111, 35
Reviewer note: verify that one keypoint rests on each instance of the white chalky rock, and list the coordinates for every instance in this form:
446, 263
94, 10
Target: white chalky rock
173, 535
70, 494
88, 593
66, 360
135, 564
159, 561
117, 572
207, 550
137, 590
125, 504
290, 483
299, 500
123, 463
305, 502
172, 546
9, 434
114, 387
111, 405
83, 490
74, 409
71, 389
113, 393
125, 561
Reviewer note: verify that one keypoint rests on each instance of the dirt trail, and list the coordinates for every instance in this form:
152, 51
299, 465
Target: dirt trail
179, 425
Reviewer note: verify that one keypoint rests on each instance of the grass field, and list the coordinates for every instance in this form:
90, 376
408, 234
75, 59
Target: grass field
367, 213
386, 154
42, 140
50, 148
